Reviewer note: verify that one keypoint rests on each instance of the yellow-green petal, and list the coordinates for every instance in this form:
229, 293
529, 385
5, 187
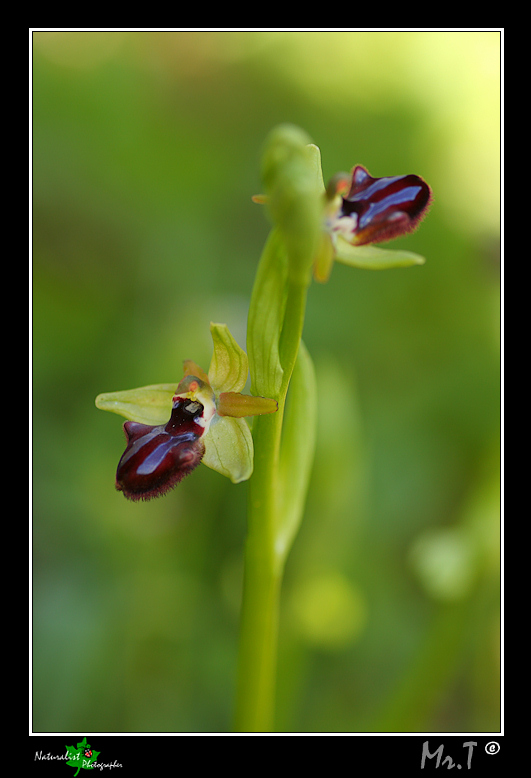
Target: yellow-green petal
147, 405
374, 258
238, 405
229, 448
229, 366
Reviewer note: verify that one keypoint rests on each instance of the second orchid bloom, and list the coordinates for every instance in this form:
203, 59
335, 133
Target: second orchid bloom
361, 210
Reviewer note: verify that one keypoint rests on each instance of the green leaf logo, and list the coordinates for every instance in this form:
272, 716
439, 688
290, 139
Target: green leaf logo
81, 757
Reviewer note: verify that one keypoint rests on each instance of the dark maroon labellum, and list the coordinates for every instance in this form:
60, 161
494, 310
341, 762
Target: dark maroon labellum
385, 207
157, 458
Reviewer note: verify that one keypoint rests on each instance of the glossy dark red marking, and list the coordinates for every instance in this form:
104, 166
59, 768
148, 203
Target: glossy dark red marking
385, 207
157, 458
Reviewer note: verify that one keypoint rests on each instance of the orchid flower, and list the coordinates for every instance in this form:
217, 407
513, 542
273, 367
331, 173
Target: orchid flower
360, 210
171, 428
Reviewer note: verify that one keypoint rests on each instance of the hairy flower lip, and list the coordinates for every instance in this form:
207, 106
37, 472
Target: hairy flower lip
383, 208
158, 457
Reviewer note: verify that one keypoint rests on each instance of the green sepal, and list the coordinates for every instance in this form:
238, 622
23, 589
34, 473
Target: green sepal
229, 366
229, 448
147, 405
374, 258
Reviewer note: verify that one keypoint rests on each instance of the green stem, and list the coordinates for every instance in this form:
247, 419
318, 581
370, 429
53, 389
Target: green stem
282, 459
261, 586
266, 548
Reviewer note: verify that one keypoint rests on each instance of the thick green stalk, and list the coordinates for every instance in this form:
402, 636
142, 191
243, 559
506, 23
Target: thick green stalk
266, 547
261, 586
276, 319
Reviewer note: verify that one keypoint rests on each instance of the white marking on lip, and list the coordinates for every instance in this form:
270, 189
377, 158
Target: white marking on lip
345, 226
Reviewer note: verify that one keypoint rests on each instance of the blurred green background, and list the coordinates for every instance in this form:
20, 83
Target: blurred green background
146, 153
